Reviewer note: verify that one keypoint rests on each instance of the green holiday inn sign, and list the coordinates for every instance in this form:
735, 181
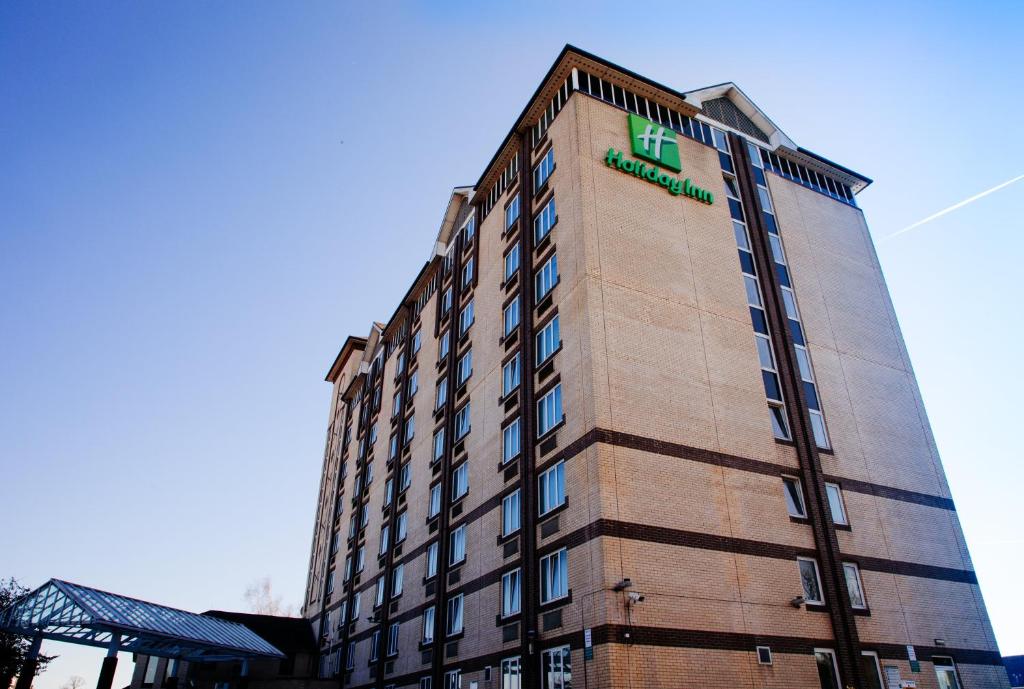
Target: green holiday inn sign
655, 144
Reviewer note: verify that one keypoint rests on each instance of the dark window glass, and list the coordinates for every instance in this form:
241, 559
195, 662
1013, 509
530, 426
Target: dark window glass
747, 262
757, 318
686, 127
606, 90
769, 221
771, 385
798, 332
631, 101
620, 97
706, 132
725, 160
812, 396
736, 210
759, 176
783, 274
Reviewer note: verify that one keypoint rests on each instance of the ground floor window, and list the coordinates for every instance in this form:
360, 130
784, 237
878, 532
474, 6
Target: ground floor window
945, 671
828, 670
510, 677
556, 668
871, 670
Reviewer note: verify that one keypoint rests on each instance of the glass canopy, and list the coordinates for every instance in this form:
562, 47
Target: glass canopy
62, 611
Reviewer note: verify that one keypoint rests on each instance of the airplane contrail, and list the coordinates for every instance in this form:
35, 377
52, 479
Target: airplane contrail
952, 208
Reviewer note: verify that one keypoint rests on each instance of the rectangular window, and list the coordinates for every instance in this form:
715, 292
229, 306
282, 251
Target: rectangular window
554, 576
150, 676
544, 169
414, 383
443, 345
405, 477
428, 625
794, 497
549, 410
853, 585
401, 527
396, 404
512, 261
810, 580
835, 504
397, 581
510, 376
393, 447
446, 301
546, 278
361, 558
385, 538
453, 679
410, 429
435, 500
945, 672
828, 670
417, 341
551, 488
426, 682
548, 341
510, 586
510, 441
356, 603
375, 645
442, 393
510, 674
556, 668
467, 272
465, 368
466, 318
378, 598
511, 317
510, 513
457, 545
432, 550
393, 639
469, 230
460, 481
439, 444
454, 615
462, 422
544, 221
512, 212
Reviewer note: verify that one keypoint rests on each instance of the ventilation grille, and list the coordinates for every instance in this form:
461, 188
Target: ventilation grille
726, 112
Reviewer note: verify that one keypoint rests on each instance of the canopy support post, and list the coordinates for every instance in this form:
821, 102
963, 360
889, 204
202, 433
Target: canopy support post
106, 679
31, 664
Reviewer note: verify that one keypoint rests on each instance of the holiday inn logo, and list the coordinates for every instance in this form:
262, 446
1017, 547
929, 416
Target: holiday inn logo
657, 144
653, 142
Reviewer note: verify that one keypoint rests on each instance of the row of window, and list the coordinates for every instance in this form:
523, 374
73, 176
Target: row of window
811, 582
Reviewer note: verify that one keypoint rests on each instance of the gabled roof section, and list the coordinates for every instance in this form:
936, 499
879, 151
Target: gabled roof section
451, 214
743, 111
289, 634
352, 344
63, 611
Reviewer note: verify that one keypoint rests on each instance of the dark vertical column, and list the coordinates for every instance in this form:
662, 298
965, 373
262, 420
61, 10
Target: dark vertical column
393, 510
444, 519
527, 473
30, 664
106, 678
844, 624
243, 679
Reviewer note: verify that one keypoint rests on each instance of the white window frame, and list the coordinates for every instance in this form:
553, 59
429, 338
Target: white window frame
549, 681
554, 570
511, 441
544, 221
802, 507
434, 506
464, 368
512, 212
457, 546
441, 394
510, 513
817, 576
511, 375
510, 317
835, 664
463, 423
427, 628
397, 580
460, 481
549, 340
545, 279
550, 411
393, 631
512, 592
511, 673
456, 603
835, 489
432, 555
852, 569
512, 262
551, 489
402, 527
466, 318
438, 445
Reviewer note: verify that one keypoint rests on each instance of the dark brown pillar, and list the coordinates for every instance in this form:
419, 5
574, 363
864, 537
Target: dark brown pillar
106, 678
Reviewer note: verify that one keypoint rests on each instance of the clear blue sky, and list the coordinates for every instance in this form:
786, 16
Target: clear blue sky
192, 199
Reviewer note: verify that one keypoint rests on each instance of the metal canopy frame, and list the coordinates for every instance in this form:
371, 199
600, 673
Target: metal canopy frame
63, 611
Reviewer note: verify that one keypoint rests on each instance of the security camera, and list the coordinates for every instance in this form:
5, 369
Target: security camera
623, 585
636, 597
797, 602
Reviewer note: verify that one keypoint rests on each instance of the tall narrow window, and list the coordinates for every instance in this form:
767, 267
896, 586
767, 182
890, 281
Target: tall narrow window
466, 318
551, 488
510, 513
397, 581
510, 441
375, 645
467, 272
549, 410
511, 317
548, 341
835, 504
510, 674
554, 576
544, 169
462, 422
378, 598
432, 559
512, 212
410, 428
405, 477
465, 369
460, 481
401, 527
446, 301
385, 534
810, 580
510, 376
438, 444
393, 639
454, 615
414, 383
794, 497
851, 572
443, 345
828, 670
428, 625
442, 393
457, 546
453, 679
510, 593
511, 261
435, 500
544, 221
546, 278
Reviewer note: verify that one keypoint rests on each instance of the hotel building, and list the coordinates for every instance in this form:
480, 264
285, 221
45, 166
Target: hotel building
645, 418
